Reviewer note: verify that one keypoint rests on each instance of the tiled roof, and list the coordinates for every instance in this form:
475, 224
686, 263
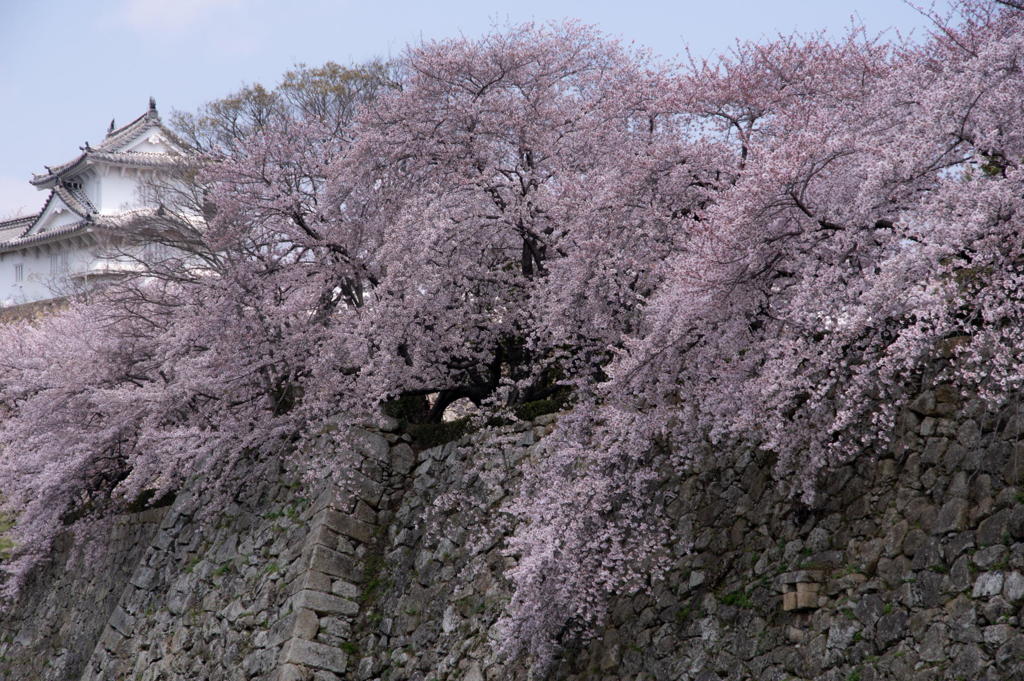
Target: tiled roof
10, 229
53, 172
82, 198
14, 233
75, 200
12, 239
111, 149
117, 139
139, 158
133, 158
65, 230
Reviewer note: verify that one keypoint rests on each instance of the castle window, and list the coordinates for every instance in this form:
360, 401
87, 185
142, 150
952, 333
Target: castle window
19, 272
58, 263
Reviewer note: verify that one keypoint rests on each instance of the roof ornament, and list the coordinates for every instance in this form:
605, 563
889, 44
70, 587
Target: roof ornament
111, 128
152, 106
85, 147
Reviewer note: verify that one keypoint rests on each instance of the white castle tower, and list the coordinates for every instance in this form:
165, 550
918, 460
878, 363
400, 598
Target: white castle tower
46, 255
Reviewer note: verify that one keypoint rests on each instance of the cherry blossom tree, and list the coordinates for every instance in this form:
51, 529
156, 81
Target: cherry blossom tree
534, 182
871, 227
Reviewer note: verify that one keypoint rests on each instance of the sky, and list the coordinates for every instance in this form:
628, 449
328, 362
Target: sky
68, 66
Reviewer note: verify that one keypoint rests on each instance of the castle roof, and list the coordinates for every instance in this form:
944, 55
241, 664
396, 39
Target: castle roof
125, 146
115, 149
55, 234
12, 229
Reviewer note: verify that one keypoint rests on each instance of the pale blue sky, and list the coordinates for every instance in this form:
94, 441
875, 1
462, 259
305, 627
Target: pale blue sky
68, 66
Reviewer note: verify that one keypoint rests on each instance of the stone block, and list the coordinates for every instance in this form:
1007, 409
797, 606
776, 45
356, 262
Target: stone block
924, 404
841, 633
992, 530
474, 673
345, 545
914, 540
366, 667
998, 634
947, 393
1011, 652
353, 528
327, 499
321, 675
801, 576
1016, 522
324, 603
122, 622
387, 424
807, 588
258, 662
335, 626
315, 655
987, 584
111, 639
306, 624
281, 630
345, 589
403, 458
990, 556
933, 647
313, 580
363, 511
1013, 587
144, 578
890, 628
1013, 471
163, 540
365, 488
966, 664
372, 445
332, 563
291, 673
806, 600
952, 517
344, 524
450, 620
323, 535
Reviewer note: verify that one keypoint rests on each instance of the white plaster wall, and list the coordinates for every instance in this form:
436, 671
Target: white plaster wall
91, 186
38, 282
57, 216
144, 145
118, 191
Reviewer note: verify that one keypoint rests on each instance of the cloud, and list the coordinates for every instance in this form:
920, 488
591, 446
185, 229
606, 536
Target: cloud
18, 197
163, 16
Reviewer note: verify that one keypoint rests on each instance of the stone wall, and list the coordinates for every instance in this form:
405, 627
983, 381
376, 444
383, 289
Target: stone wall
911, 567
208, 599
49, 633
